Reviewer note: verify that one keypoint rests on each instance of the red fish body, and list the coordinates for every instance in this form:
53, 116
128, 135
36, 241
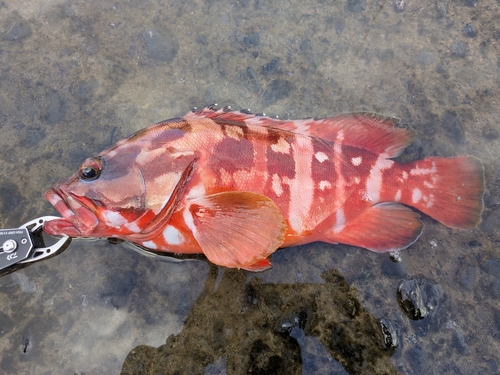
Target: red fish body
236, 187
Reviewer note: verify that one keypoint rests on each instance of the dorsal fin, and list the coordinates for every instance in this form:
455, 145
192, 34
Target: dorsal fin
379, 134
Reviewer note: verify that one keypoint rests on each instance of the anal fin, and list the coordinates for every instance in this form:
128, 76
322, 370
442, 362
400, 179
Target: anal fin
237, 229
381, 228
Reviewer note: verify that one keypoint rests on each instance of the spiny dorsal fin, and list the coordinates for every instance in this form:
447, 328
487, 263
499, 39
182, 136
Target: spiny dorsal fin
376, 133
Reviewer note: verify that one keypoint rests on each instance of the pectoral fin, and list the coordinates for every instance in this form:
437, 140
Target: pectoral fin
238, 229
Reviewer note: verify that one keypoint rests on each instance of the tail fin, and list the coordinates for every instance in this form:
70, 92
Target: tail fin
449, 190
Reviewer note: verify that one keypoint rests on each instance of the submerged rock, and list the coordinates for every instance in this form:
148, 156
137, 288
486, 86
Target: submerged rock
418, 297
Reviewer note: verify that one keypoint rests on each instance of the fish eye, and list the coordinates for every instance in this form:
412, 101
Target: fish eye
90, 169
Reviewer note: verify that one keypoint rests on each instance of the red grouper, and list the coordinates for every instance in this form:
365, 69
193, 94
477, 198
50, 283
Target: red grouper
236, 187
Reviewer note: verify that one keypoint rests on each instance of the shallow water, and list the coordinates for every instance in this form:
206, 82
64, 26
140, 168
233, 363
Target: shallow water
77, 76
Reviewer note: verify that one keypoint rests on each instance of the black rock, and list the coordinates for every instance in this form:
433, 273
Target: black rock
470, 30
453, 126
86, 89
249, 40
20, 30
459, 49
356, 5
390, 334
277, 89
418, 297
271, 67
466, 276
418, 360
469, 3
458, 341
57, 107
10, 198
159, 46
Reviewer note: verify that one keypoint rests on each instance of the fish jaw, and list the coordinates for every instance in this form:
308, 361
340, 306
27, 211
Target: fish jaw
78, 219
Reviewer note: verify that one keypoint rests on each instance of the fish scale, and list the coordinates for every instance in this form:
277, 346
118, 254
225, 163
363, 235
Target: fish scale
237, 186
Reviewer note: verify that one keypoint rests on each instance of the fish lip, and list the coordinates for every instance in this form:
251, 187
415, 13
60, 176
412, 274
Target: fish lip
78, 218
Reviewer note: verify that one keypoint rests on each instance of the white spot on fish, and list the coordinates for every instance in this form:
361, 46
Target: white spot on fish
276, 184
374, 180
397, 197
357, 180
416, 195
340, 221
405, 175
423, 171
321, 156
133, 227
150, 245
356, 161
188, 219
225, 176
235, 132
114, 219
282, 146
301, 186
428, 185
197, 191
429, 200
172, 235
324, 185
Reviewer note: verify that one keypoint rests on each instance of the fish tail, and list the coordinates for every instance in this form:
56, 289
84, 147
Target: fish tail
449, 190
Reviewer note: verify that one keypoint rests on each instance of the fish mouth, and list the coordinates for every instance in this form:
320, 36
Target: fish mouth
78, 218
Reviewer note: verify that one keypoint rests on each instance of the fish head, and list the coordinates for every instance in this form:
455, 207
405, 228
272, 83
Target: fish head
125, 191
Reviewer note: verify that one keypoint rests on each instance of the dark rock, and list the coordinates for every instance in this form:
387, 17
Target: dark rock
10, 198
390, 334
253, 79
459, 49
458, 341
277, 90
271, 67
393, 269
469, 3
249, 40
411, 300
119, 287
57, 108
470, 30
496, 319
493, 288
339, 26
453, 126
441, 69
356, 5
490, 200
202, 40
6, 324
399, 6
441, 8
20, 30
425, 58
418, 360
490, 133
159, 46
466, 276
33, 137
492, 221
418, 297
86, 89
491, 266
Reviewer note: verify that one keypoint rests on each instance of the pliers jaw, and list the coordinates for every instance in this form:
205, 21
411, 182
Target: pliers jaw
27, 244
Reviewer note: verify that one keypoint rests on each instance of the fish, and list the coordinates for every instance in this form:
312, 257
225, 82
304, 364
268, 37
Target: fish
236, 187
